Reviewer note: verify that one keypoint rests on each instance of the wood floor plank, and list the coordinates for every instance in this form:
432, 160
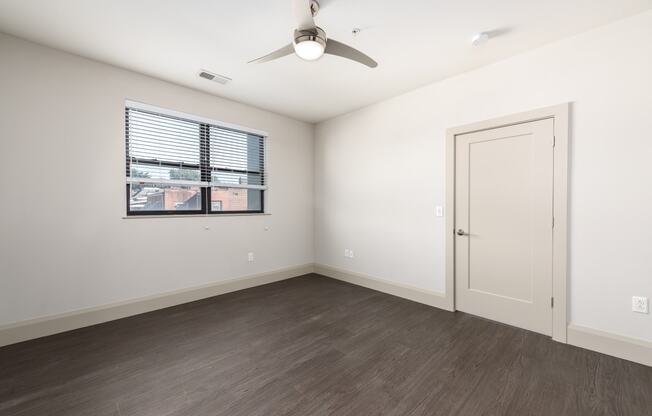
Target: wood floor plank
313, 346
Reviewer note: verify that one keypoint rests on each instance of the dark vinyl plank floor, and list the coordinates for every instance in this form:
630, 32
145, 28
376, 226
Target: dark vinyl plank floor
313, 346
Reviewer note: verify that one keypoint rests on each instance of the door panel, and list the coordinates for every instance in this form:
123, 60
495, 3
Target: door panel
503, 202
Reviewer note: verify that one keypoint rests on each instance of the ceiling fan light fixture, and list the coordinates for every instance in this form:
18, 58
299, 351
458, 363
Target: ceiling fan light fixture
309, 50
310, 44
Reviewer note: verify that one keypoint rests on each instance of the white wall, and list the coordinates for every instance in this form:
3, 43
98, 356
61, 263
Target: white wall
379, 171
64, 244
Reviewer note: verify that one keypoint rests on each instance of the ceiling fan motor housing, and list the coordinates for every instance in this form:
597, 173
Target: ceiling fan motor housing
315, 34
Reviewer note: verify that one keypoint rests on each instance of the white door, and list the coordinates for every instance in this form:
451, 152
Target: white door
503, 230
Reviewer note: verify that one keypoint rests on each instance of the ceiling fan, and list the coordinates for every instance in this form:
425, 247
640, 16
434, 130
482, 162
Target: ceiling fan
310, 41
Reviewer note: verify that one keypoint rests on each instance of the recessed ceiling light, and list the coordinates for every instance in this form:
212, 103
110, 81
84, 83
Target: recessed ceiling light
480, 39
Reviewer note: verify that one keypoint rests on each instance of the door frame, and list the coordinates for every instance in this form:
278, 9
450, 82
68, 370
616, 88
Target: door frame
561, 115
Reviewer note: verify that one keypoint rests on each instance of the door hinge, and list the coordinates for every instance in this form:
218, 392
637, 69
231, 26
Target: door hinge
554, 140
553, 222
552, 302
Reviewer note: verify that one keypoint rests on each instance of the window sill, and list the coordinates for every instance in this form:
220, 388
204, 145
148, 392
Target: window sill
242, 214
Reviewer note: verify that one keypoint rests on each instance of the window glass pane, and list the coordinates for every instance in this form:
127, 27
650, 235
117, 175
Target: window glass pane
236, 199
163, 197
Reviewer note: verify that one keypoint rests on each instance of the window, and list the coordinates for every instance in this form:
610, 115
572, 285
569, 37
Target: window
179, 165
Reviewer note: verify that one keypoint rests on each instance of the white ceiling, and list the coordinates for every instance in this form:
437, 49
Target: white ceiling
415, 42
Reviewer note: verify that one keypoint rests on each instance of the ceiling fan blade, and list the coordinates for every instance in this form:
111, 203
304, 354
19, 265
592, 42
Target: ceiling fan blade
334, 47
303, 14
284, 51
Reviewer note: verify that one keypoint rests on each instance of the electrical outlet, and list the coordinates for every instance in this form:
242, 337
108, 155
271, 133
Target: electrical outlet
250, 256
639, 304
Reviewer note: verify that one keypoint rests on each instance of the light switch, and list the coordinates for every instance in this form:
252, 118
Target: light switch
439, 211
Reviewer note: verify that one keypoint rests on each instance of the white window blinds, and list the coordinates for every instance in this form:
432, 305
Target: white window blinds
165, 149
237, 159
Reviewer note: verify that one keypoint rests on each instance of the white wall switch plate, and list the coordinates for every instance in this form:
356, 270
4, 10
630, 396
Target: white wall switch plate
439, 211
347, 252
250, 256
639, 304
351, 253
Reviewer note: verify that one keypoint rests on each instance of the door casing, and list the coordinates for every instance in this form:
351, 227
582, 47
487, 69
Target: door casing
560, 114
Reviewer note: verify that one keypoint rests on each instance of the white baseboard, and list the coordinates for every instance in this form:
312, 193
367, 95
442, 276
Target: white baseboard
430, 298
49, 325
631, 349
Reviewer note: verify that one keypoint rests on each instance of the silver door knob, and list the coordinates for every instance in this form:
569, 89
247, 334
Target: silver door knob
461, 232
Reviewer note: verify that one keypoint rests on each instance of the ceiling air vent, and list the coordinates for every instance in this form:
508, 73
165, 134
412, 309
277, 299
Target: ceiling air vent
220, 79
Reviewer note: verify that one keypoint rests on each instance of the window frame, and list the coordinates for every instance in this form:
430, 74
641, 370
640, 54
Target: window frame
205, 168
